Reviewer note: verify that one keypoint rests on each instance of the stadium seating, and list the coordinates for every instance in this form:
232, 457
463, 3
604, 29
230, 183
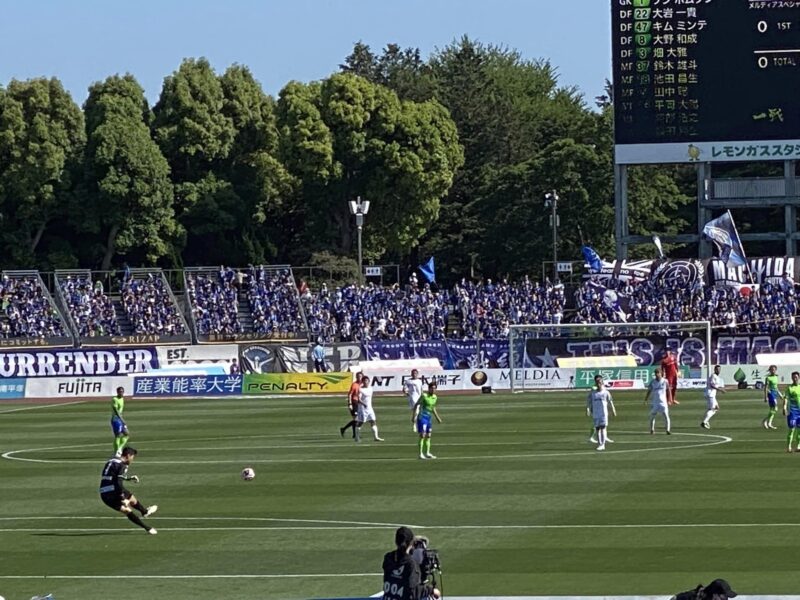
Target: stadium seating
149, 304
28, 311
213, 296
90, 308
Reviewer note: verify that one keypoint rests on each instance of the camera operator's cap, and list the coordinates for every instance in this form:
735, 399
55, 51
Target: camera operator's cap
720, 586
403, 537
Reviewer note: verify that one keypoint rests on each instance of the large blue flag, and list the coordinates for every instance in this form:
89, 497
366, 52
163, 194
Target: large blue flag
722, 231
428, 270
592, 259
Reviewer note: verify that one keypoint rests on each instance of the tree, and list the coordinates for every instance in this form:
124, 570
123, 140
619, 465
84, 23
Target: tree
41, 140
129, 191
190, 126
348, 137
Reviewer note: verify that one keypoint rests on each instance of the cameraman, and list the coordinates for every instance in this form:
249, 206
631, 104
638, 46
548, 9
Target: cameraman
401, 573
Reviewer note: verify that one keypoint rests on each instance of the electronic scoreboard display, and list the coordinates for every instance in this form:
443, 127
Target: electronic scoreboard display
706, 80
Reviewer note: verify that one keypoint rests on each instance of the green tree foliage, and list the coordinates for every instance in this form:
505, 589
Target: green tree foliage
349, 137
128, 190
41, 141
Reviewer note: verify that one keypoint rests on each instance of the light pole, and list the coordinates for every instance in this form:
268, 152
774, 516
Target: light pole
551, 201
359, 208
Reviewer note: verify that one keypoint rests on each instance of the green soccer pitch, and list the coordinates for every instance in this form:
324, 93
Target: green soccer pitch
518, 502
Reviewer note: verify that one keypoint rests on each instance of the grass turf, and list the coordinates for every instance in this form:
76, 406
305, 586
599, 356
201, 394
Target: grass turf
518, 502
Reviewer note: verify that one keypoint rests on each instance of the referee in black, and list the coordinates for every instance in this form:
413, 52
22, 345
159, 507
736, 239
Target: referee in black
114, 495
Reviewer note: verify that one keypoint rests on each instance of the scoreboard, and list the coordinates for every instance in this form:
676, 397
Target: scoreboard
706, 80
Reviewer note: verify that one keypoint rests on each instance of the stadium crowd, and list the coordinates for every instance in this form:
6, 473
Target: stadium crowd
413, 311
487, 310
356, 313
771, 308
91, 309
27, 310
214, 298
150, 307
274, 306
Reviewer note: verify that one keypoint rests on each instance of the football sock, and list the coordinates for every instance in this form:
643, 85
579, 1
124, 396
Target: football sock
422, 445
709, 414
668, 423
790, 436
122, 441
771, 416
136, 520
140, 507
357, 433
375, 431
427, 445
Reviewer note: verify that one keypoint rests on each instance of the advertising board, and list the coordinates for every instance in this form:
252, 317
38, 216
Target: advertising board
187, 385
75, 387
296, 383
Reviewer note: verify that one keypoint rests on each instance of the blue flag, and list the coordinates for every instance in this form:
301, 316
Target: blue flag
592, 259
722, 231
428, 270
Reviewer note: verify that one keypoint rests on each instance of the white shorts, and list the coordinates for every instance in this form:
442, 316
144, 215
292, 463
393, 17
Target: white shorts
365, 414
411, 403
659, 409
712, 404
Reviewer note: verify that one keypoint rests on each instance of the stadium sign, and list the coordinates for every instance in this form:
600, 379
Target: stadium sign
297, 383
250, 336
55, 363
31, 342
187, 385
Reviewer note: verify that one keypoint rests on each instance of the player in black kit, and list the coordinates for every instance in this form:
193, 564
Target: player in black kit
114, 495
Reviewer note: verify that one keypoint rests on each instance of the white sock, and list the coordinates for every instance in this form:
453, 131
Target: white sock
666, 418
652, 423
709, 414
375, 431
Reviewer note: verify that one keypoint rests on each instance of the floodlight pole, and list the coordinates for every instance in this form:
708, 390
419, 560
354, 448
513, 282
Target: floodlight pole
359, 208
551, 199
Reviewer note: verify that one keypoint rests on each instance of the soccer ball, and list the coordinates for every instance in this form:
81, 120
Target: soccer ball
248, 474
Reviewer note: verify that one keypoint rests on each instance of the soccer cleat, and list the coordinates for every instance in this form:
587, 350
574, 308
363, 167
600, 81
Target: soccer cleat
152, 531
652, 432
705, 425
669, 432
429, 455
609, 440
151, 511
592, 440
341, 431
600, 448
377, 439
771, 426
422, 456
789, 449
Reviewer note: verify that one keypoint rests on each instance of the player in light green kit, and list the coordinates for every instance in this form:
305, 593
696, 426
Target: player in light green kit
791, 400
118, 423
424, 410
771, 395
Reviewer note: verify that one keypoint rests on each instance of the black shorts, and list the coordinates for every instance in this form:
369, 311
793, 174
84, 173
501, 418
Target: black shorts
115, 500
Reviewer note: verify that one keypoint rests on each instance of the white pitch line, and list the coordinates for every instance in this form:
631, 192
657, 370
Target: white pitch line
256, 519
425, 528
719, 439
242, 576
38, 407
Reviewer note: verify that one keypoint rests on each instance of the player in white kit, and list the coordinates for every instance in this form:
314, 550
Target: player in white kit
413, 389
661, 399
713, 385
597, 404
365, 413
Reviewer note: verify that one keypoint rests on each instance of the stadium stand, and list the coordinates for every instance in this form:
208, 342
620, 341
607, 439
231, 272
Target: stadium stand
150, 305
213, 296
89, 309
274, 303
772, 309
28, 310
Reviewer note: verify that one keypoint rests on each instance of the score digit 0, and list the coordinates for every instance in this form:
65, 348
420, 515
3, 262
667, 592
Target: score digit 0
762, 27
763, 62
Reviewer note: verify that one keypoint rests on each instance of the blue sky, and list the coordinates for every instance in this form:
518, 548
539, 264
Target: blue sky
86, 40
